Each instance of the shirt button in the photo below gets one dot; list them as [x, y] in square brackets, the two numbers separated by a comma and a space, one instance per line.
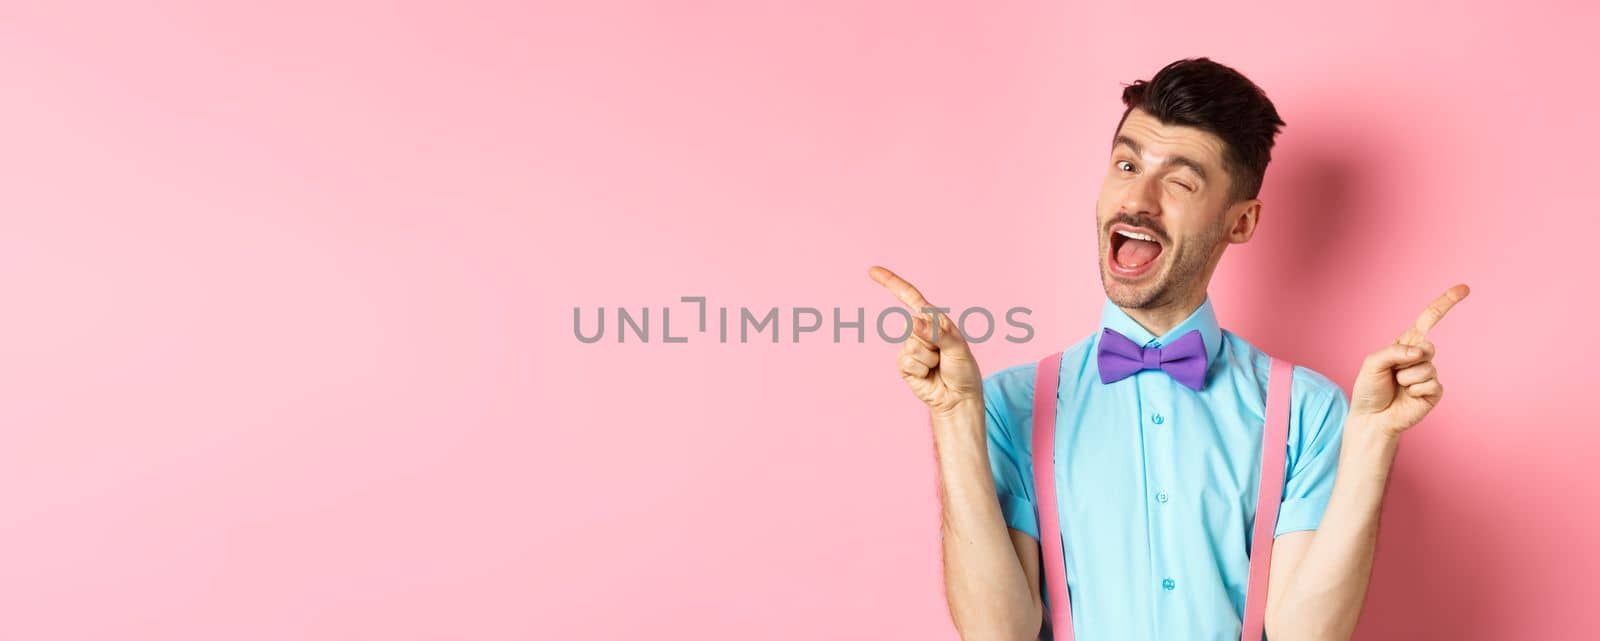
[1157, 419]
[1168, 584]
[1161, 496]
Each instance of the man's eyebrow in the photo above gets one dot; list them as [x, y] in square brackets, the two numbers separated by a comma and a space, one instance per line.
[1124, 140]
[1182, 161]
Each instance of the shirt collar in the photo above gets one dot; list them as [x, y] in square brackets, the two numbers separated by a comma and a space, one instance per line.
[1203, 318]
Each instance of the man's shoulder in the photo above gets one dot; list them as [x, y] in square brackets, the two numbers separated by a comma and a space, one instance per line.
[1019, 378]
[1313, 384]
[1307, 382]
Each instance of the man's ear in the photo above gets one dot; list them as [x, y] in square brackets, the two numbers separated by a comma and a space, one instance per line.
[1244, 214]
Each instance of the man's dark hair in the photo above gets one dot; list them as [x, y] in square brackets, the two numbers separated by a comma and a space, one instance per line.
[1206, 95]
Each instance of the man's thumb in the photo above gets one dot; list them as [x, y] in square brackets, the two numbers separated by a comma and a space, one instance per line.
[945, 335]
[1381, 363]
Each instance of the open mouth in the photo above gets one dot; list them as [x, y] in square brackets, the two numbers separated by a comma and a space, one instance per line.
[1133, 250]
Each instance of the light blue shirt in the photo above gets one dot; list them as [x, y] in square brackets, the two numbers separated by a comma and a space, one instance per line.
[1157, 482]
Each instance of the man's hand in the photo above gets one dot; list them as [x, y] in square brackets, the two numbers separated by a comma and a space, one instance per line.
[1398, 384]
[991, 574]
[938, 367]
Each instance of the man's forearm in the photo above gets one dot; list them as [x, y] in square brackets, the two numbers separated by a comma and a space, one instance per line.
[1325, 594]
[985, 584]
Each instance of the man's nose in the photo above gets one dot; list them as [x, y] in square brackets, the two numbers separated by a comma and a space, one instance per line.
[1142, 197]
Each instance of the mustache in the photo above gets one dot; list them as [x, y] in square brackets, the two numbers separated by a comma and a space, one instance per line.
[1139, 221]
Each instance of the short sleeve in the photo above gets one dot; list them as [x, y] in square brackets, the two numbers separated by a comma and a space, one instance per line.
[1316, 432]
[1008, 413]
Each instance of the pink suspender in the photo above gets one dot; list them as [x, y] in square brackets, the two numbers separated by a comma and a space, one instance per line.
[1273, 451]
[1275, 444]
[1044, 489]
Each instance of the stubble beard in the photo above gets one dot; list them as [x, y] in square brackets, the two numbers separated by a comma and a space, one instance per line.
[1182, 273]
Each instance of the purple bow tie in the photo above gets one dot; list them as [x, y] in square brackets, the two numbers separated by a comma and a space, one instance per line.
[1184, 359]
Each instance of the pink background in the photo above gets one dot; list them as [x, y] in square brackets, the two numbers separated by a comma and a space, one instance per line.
[287, 350]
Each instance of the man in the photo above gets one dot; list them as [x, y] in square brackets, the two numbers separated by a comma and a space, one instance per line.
[1158, 476]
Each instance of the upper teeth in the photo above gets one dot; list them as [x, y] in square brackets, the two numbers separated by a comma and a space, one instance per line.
[1137, 235]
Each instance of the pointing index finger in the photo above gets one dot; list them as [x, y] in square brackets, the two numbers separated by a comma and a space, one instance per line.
[1433, 314]
[902, 289]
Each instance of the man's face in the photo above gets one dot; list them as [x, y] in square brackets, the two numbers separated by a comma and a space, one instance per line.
[1162, 216]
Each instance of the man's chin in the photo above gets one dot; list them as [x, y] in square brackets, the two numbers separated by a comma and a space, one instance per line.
[1132, 295]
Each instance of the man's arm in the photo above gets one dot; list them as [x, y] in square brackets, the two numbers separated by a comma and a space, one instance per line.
[991, 572]
[1319, 579]
[986, 582]
[1398, 385]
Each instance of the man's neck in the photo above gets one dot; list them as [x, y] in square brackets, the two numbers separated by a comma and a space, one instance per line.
[1160, 320]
